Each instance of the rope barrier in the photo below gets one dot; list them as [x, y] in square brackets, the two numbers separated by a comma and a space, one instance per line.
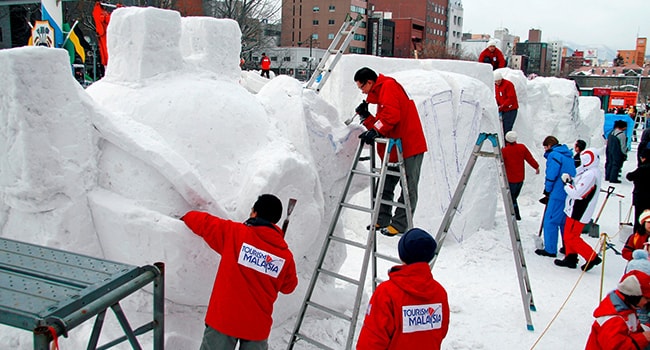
[602, 241]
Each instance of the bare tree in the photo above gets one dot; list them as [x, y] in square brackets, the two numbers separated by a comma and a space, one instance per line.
[252, 15]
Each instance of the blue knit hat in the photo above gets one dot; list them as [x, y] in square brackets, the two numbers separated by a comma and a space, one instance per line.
[416, 245]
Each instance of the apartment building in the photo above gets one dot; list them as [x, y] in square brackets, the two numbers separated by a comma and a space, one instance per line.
[636, 56]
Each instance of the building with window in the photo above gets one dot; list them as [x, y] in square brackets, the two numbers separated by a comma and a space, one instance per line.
[636, 56]
[455, 26]
[314, 24]
[539, 58]
[381, 35]
[556, 57]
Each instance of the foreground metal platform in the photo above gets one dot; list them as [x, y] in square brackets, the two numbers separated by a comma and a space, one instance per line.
[50, 292]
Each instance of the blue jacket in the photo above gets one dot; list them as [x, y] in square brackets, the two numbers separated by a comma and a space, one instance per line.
[559, 160]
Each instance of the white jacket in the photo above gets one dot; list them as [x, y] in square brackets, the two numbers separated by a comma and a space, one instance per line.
[582, 194]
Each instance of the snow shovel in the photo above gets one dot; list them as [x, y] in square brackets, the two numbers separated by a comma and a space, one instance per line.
[539, 241]
[594, 228]
[290, 206]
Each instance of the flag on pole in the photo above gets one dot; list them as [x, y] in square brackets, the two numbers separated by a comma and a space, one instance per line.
[51, 12]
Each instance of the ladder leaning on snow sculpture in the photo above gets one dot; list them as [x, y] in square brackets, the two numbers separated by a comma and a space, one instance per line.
[377, 178]
[522, 272]
[337, 48]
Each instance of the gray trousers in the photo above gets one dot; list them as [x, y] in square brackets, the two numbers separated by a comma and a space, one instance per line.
[215, 340]
[412, 167]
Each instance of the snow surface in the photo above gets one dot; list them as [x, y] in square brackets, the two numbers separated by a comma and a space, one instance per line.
[175, 125]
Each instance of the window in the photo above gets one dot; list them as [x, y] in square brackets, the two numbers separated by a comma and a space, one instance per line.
[314, 36]
[316, 9]
[330, 22]
[359, 37]
[314, 22]
[332, 8]
[305, 59]
[274, 58]
[330, 36]
[287, 59]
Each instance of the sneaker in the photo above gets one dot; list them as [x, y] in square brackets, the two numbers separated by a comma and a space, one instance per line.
[543, 252]
[590, 265]
[390, 231]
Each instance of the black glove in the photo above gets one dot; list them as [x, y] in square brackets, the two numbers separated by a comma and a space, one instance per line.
[369, 136]
[362, 110]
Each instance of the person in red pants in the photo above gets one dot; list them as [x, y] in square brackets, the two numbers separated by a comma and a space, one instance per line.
[582, 196]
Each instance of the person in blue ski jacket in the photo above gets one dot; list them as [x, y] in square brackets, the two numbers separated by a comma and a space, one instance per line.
[559, 160]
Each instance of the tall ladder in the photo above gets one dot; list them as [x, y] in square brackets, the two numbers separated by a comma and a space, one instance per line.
[377, 179]
[517, 250]
[348, 29]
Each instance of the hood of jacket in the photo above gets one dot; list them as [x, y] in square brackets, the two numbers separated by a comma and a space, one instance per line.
[414, 279]
[561, 149]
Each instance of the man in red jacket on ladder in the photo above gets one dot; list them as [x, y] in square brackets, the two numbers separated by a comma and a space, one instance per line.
[396, 118]
[514, 155]
[507, 102]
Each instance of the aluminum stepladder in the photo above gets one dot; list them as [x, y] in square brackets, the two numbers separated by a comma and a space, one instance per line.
[377, 179]
[337, 48]
[517, 250]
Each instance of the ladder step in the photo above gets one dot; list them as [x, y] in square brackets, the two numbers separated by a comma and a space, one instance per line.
[330, 311]
[347, 241]
[366, 173]
[334, 51]
[339, 276]
[388, 257]
[346, 32]
[357, 207]
[312, 341]
[394, 204]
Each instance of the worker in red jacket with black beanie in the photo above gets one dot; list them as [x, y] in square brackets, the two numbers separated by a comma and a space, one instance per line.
[506, 97]
[256, 264]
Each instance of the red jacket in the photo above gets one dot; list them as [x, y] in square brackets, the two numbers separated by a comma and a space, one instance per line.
[266, 63]
[506, 96]
[634, 242]
[407, 311]
[616, 326]
[397, 117]
[255, 265]
[495, 58]
[514, 155]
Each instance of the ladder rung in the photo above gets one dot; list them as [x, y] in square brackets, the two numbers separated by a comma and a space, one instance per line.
[334, 51]
[347, 241]
[366, 173]
[486, 154]
[357, 207]
[330, 311]
[346, 32]
[388, 257]
[394, 204]
[312, 341]
[339, 276]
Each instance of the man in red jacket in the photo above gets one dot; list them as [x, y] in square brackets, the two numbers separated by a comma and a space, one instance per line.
[506, 97]
[396, 118]
[616, 325]
[492, 55]
[514, 155]
[411, 309]
[265, 64]
[256, 264]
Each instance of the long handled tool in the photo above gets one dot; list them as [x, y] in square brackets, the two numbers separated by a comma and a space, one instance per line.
[539, 242]
[349, 120]
[290, 206]
[594, 228]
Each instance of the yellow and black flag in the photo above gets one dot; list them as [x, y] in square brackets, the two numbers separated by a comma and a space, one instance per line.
[76, 42]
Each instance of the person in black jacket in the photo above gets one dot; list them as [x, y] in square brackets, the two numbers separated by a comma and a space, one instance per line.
[641, 193]
[616, 151]
[644, 144]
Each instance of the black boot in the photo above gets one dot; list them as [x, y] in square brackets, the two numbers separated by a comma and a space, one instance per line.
[570, 261]
[595, 261]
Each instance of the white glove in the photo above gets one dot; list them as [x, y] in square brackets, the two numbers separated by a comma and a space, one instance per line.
[566, 178]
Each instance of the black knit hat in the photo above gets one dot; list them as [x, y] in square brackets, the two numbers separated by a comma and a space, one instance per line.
[268, 207]
[416, 246]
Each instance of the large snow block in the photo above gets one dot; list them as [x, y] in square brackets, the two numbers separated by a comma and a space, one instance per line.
[143, 42]
[212, 44]
[47, 151]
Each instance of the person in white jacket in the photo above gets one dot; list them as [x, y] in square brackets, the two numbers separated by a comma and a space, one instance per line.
[582, 196]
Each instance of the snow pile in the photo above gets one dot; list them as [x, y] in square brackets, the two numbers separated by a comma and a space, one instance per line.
[175, 125]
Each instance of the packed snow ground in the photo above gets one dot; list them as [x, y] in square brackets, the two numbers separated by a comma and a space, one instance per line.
[175, 125]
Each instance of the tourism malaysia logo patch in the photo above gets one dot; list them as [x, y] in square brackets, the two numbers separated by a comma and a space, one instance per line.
[260, 260]
[417, 318]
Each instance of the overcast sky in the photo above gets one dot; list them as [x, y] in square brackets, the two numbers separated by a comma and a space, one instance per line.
[611, 23]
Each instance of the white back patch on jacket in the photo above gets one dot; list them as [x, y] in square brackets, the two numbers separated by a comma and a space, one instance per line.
[417, 318]
[260, 260]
